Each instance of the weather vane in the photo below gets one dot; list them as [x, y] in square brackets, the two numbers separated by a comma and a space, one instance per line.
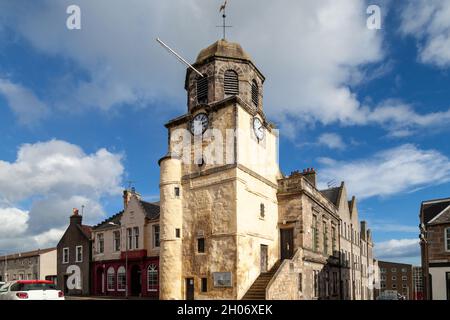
[223, 9]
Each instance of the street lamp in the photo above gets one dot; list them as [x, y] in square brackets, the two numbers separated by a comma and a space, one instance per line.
[126, 256]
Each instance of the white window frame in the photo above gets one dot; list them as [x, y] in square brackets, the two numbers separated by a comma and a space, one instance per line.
[100, 235]
[64, 261]
[108, 278]
[446, 244]
[136, 235]
[152, 268]
[115, 241]
[76, 254]
[121, 271]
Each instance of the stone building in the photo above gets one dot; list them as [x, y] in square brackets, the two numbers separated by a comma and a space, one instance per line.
[396, 277]
[435, 247]
[74, 257]
[32, 265]
[233, 226]
[125, 250]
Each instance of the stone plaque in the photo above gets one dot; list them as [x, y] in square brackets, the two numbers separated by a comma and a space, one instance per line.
[222, 279]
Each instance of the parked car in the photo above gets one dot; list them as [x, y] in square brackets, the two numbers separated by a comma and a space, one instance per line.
[1, 284]
[30, 290]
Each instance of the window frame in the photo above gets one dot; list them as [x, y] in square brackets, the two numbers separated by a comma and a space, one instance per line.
[156, 239]
[121, 272]
[76, 254]
[136, 234]
[153, 268]
[64, 261]
[117, 240]
[111, 276]
[447, 239]
[100, 243]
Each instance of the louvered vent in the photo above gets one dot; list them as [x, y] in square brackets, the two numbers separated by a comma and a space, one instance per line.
[255, 93]
[202, 90]
[231, 83]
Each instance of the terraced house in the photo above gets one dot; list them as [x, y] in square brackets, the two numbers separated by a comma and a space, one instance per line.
[125, 250]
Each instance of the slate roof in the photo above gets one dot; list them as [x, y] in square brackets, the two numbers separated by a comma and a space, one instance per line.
[431, 209]
[27, 254]
[332, 195]
[86, 230]
[151, 209]
[105, 223]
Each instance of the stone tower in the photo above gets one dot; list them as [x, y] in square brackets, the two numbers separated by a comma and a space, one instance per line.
[219, 209]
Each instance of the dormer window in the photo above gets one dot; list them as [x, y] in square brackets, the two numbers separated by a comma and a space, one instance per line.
[255, 93]
[231, 83]
[202, 89]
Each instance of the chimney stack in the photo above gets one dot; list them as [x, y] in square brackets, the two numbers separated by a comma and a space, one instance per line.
[76, 218]
[310, 175]
[127, 194]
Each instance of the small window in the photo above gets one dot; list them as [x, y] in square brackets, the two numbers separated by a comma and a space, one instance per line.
[404, 270]
[255, 93]
[177, 233]
[394, 286]
[177, 192]
[100, 243]
[231, 83]
[394, 270]
[65, 258]
[204, 284]
[262, 211]
[404, 278]
[447, 239]
[156, 241]
[116, 241]
[201, 245]
[79, 254]
[130, 238]
[394, 278]
[152, 278]
[202, 90]
[300, 282]
[136, 237]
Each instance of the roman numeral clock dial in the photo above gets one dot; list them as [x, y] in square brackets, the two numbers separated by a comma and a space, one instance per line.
[258, 128]
[199, 124]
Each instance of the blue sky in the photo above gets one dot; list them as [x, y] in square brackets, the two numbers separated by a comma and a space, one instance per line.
[83, 111]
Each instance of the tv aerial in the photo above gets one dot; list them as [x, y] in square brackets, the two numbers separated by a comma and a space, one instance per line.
[180, 58]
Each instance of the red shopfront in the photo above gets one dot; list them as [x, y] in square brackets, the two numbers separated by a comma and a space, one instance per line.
[142, 272]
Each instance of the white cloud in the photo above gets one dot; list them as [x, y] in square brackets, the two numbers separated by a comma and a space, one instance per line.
[397, 249]
[402, 169]
[309, 50]
[332, 141]
[429, 22]
[53, 177]
[26, 106]
[13, 221]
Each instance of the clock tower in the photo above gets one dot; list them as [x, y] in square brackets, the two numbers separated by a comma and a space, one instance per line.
[218, 182]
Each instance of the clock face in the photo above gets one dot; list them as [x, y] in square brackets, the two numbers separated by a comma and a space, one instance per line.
[199, 124]
[258, 128]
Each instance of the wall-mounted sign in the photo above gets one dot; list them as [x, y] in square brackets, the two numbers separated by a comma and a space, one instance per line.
[222, 279]
[74, 279]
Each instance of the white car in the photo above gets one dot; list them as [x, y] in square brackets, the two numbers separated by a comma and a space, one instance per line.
[30, 290]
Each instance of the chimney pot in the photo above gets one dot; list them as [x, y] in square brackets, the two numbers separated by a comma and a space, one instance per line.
[75, 211]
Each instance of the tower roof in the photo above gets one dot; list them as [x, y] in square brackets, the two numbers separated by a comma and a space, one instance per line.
[223, 49]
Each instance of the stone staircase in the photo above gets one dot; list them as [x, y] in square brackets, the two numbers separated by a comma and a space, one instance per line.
[258, 289]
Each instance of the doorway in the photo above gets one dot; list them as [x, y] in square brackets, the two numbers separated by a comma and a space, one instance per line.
[66, 289]
[264, 258]
[100, 282]
[189, 289]
[136, 281]
[287, 243]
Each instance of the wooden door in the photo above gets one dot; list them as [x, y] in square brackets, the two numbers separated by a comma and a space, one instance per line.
[287, 243]
[189, 289]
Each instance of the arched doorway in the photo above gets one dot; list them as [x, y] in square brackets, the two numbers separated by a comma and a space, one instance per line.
[100, 281]
[136, 281]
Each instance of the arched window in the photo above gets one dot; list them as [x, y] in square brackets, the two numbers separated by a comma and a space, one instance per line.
[202, 89]
[231, 83]
[152, 278]
[121, 279]
[111, 279]
[255, 93]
